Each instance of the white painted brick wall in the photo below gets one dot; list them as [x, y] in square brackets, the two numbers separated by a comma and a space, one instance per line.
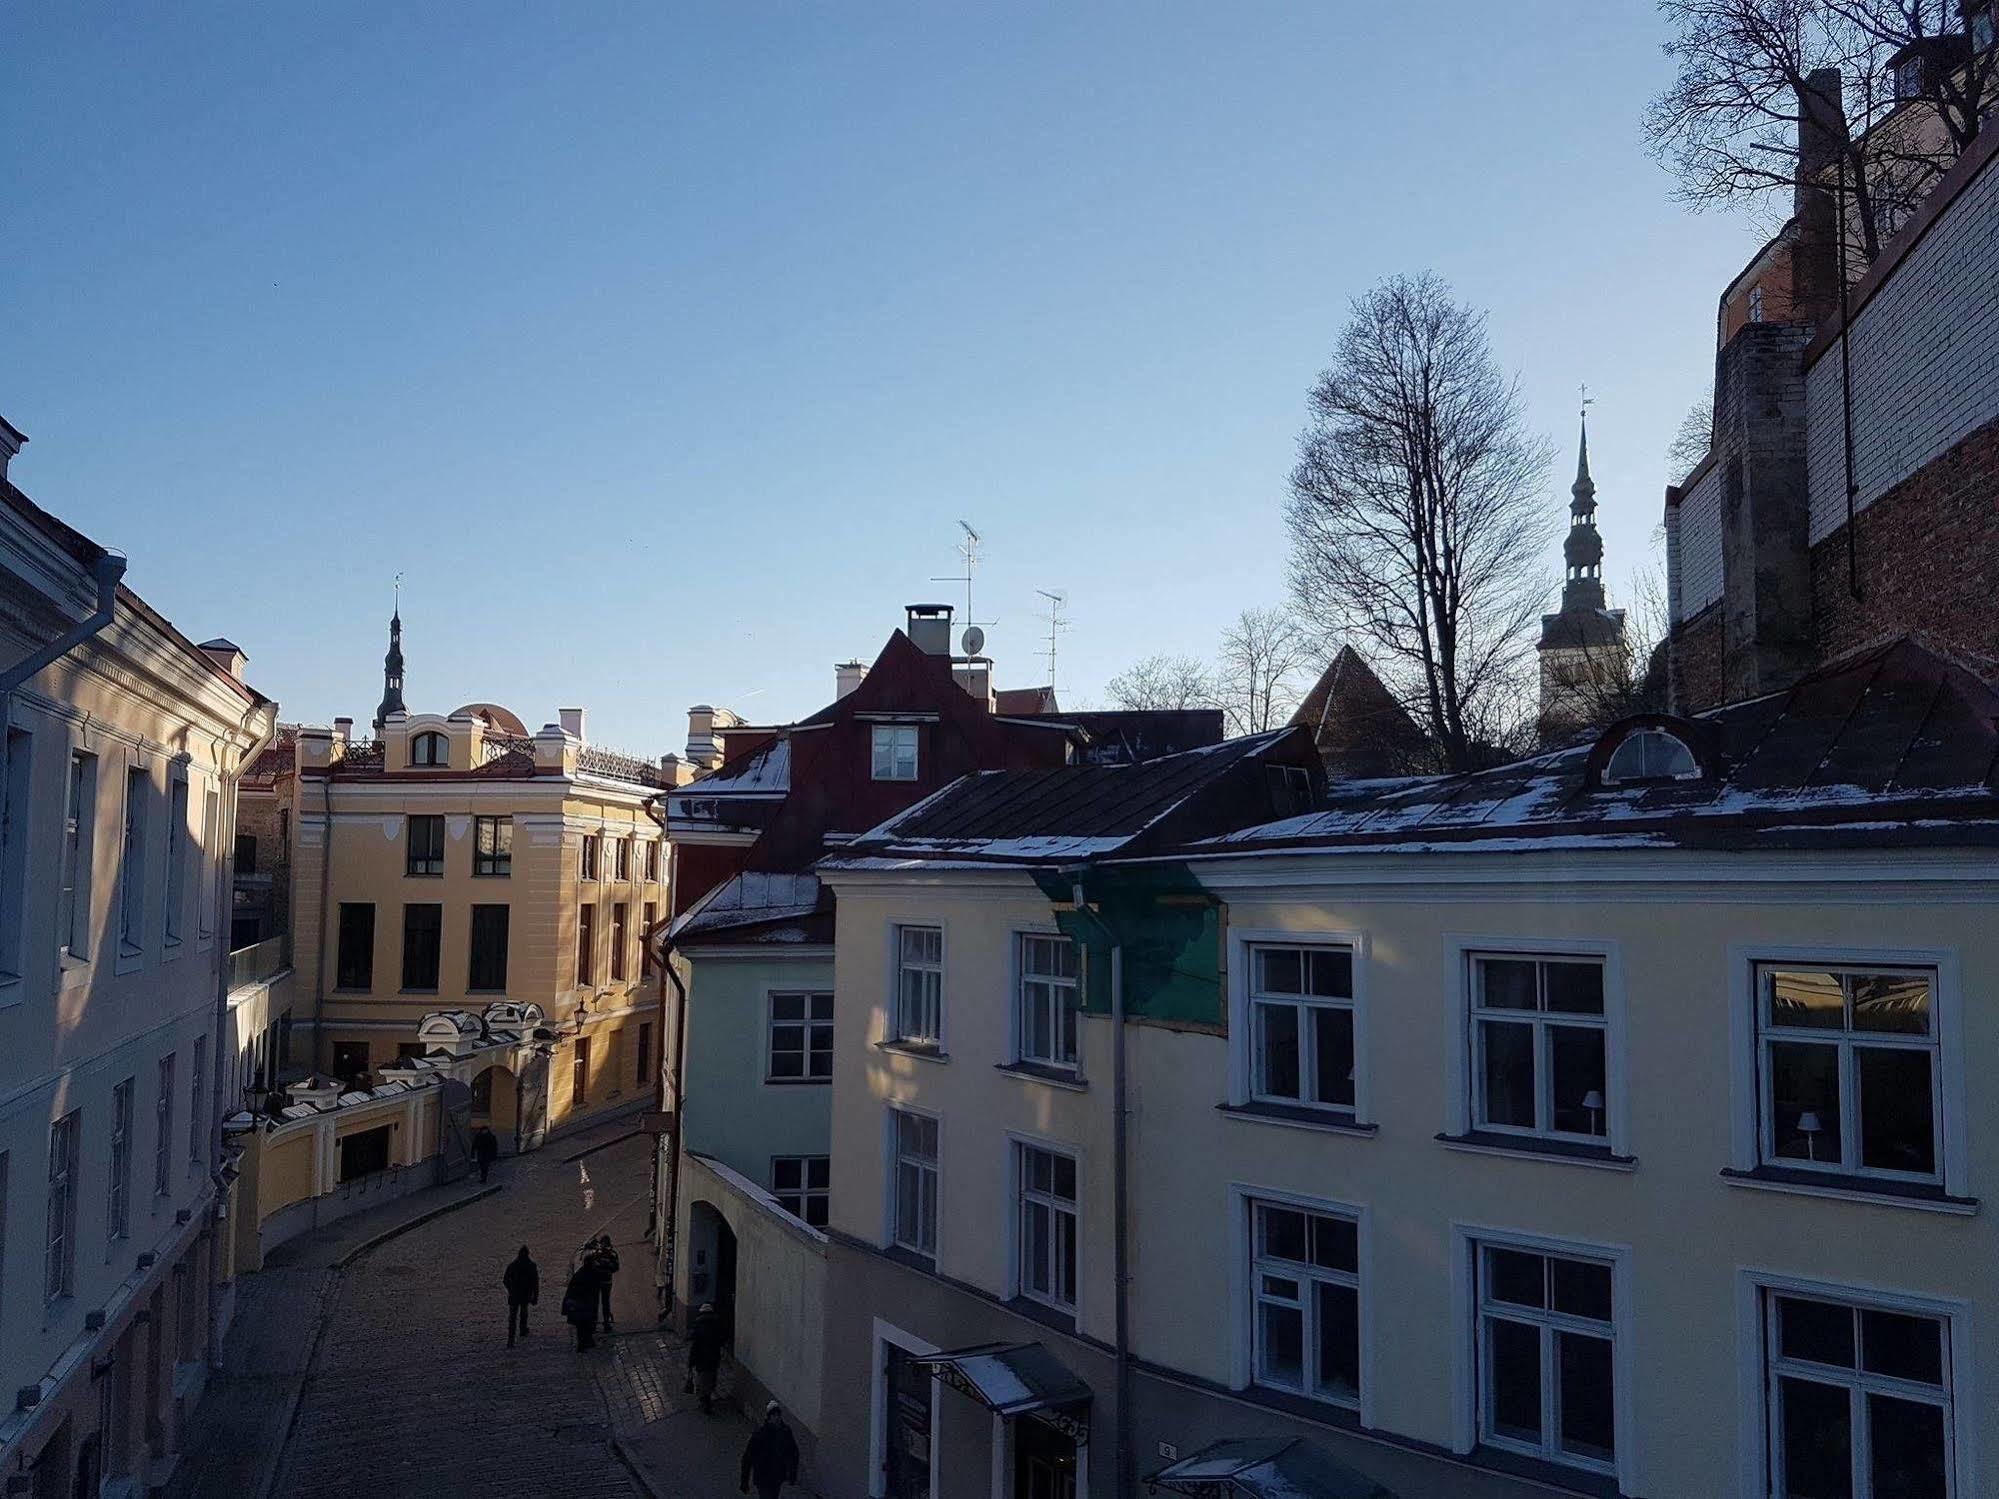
[1925, 362]
[1700, 546]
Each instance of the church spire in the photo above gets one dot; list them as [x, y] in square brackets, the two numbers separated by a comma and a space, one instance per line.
[392, 665]
[1583, 550]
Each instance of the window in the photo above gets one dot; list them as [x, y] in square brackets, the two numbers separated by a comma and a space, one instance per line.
[73, 901]
[1302, 1026]
[1651, 755]
[586, 945]
[350, 1061]
[591, 848]
[246, 853]
[645, 1053]
[364, 1152]
[652, 861]
[1980, 26]
[1909, 78]
[489, 950]
[211, 816]
[800, 1185]
[118, 1220]
[132, 869]
[801, 1038]
[356, 966]
[1048, 1000]
[1046, 1227]
[426, 846]
[618, 943]
[59, 1258]
[579, 1074]
[493, 846]
[176, 860]
[14, 806]
[621, 855]
[915, 1195]
[919, 984]
[1756, 304]
[1858, 1399]
[1538, 1036]
[430, 749]
[197, 1106]
[648, 915]
[423, 932]
[163, 1128]
[1546, 1371]
[1305, 1287]
[894, 752]
[1848, 1074]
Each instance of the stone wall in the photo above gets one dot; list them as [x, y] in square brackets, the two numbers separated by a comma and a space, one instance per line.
[1697, 678]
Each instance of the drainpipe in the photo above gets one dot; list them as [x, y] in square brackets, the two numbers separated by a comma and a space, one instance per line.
[319, 949]
[110, 567]
[666, 1240]
[1120, 1207]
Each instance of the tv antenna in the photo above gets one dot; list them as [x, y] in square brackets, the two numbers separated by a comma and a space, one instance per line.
[1057, 623]
[968, 554]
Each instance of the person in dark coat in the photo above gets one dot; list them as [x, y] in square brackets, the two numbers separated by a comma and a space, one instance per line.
[485, 1150]
[523, 1282]
[770, 1461]
[605, 1253]
[704, 1355]
[579, 1302]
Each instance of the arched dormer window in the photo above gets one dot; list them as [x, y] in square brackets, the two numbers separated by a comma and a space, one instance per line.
[430, 749]
[1651, 755]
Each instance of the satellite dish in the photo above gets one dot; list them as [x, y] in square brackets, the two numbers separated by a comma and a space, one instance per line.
[974, 641]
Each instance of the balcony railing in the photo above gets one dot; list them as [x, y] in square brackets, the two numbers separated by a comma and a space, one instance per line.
[259, 961]
[619, 767]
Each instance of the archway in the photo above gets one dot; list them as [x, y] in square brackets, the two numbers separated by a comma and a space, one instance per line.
[496, 1103]
[711, 1277]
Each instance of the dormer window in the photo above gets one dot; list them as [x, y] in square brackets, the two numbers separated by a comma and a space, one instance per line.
[1908, 78]
[430, 749]
[894, 752]
[1651, 755]
[1756, 304]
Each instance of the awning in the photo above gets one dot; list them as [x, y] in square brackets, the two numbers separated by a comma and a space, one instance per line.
[1018, 1379]
[1264, 1468]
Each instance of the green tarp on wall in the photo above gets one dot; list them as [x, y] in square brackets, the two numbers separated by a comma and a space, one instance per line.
[1171, 933]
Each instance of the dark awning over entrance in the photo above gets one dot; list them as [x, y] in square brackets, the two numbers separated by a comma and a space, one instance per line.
[1017, 1379]
[1265, 1468]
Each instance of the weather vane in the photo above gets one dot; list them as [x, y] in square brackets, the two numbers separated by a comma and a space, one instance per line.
[1588, 401]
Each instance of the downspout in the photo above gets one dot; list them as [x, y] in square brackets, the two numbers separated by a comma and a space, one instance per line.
[667, 1237]
[319, 947]
[1120, 1207]
[109, 569]
[1846, 392]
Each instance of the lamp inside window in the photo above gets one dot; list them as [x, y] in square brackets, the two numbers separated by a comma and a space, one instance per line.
[1651, 755]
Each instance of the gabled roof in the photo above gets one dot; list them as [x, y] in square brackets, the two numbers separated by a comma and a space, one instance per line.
[1360, 728]
[1025, 702]
[1896, 745]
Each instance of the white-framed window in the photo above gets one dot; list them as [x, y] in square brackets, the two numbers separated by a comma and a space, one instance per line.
[1857, 1394]
[1545, 1352]
[800, 1037]
[79, 819]
[1539, 1043]
[894, 752]
[1305, 1301]
[59, 1254]
[1849, 1069]
[118, 1217]
[430, 749]
[919, 985]
[132, 866]
[211, 821]
[802, 1186]
[176, 897]
[1651, 755]
[163, 1126]
[1048, 999]
[591, 851]
[621, 858]
[1045, 1225]
[913, 1210]
[1302, 1025]
[16, 791]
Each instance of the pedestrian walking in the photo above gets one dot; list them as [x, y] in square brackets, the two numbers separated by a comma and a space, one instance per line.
[485, 1149]
[770, 1461]
[605, 1255]
[579, 1303]
[523, 1282]
[704, 1355]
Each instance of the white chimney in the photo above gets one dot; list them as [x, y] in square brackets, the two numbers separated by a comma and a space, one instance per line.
[572, 723]
[929, 628]
[847, 675]
[343, 730]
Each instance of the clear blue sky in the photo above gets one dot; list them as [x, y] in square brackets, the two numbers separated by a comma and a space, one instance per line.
[661, 348]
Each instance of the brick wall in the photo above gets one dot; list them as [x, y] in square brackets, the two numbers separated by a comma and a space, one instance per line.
[1928, 555]
[1696, 664]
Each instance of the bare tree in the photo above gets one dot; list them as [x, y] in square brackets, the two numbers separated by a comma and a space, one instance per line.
[1691, 443]
[1162, 682]
[1259, 669]
[1416, 521]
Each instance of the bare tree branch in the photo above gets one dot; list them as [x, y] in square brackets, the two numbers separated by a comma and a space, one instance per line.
[1162, 682]
[1260, 669]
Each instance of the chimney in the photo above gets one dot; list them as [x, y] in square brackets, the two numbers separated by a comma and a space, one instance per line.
[847, 675]
[12, 439]
[1815, 197]
[704, 749]
[343, 731]
[573, 723]
[929, 628]
[226, 654]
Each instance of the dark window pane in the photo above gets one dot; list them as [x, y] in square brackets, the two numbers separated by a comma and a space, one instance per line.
[1820, 1331]
[1903, 1347]
[1335, 1243]
[1515, 1276]
[784, 1174]
[1908, 1449]
[1331, 974]
[1896, 1123]
[1575, 1060]
[1895, 1003]
[1804, 1098]
[1575, 988]
[1284, 1234]
[1277, 1050]
[1817, 1442]
[1588, 1427]
[1282, 1344]
[1509, 1074]
[1507, 984]
[816, 1211]
[1581, 1289]
[1282, 970]
[787, 1006]
[1339, 1339]
[1065, 1178]
[818, 1172]
[1332, 1032]
[1806, 997]
[1514, 1369]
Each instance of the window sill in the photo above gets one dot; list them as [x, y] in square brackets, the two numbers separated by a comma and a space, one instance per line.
[129, 960]
[1057, 1318]
[1542, 1470]
[913, 1258]
[1040, 1072]
[1328, 1121]
[1918, 1195]
[492, 874]
[798, 1082]
[423, 874]
[416, 993]
[922, 1050]
[1306, 1407]
[1526, 1148]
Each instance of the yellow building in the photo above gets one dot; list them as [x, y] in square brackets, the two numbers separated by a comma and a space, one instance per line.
[458, 865]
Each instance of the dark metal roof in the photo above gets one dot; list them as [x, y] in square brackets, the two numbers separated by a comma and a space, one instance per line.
[1264, 1468]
